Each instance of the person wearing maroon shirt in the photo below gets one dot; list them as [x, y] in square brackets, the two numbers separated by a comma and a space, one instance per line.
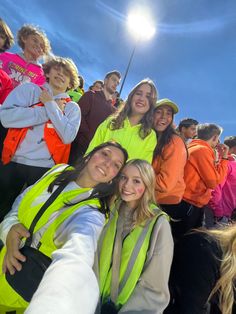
[95, 108]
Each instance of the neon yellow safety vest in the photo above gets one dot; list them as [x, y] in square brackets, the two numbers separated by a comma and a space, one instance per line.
[28, 208]
[133, 257]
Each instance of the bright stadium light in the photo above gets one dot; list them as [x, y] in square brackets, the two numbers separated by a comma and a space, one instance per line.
[141, 27]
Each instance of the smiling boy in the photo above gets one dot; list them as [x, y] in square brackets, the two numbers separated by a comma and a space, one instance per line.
[42, 123]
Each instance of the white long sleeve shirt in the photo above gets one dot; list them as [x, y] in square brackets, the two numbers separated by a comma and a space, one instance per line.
[69, 284]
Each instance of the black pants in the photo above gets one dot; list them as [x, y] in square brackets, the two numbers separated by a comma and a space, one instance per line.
[3, 133]
[184, 217]
[13, 177]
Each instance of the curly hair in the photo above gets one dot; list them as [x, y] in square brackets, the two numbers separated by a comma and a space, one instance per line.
[6, 33]
[66, 64]
[29, 29]
[125, 110]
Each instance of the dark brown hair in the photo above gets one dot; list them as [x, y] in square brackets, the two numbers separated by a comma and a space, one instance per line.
[103, 191]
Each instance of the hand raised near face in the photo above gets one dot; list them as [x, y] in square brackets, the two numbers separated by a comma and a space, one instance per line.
[61, 103]
[45, 96]
[223, 150]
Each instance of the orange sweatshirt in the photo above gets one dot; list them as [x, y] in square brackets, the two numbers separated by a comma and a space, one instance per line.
[169, 170]
[201, 174]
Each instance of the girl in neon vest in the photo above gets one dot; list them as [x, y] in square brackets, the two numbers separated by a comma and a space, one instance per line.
[67, 232]
[136, 247]
[131, 125]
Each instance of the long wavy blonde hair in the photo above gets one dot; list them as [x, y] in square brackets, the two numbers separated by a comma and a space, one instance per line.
[225, 285]
[143, 211]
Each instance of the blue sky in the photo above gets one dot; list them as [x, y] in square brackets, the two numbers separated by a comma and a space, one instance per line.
[192, 57]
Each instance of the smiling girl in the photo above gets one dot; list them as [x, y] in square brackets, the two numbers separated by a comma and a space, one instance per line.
[131, 125]
[42, 123]
[24, 67]
[67, 232]
[170, 157]
[136, 247]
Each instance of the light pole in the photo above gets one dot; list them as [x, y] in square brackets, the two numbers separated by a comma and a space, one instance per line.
[142, 29]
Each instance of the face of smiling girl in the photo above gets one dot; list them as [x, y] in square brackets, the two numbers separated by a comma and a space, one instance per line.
[163, 117]
[131, 186]
[104, 165]
[140, 103]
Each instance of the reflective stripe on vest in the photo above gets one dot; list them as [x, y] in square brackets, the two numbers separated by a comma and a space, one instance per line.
[32, 202]
[58, 150]
[134, 252]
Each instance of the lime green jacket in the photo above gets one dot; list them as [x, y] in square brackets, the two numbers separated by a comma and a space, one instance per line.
[128, 137]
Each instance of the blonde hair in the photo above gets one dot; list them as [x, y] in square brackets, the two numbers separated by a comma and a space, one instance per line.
[143, 212]
[27, 30]
[125, 110]
[225, 285]
[6, 32]
[66, 64]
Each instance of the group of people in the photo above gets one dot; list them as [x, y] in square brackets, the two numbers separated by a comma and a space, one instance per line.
[121, 188]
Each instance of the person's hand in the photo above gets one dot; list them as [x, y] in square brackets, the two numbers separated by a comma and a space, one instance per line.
[223, 150]
[61, 103]
[45, 96]
[13, 255]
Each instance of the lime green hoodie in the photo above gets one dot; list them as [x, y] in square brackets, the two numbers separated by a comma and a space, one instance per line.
[128, 137]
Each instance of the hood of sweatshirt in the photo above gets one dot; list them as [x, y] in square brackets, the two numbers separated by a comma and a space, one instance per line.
[198, 142]
[58, 96]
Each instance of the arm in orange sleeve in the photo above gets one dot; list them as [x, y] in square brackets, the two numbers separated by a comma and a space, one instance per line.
[171, 166]
[210, 174]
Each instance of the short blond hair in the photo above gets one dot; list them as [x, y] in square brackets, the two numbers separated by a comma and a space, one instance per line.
[68, 65]
[27, 30]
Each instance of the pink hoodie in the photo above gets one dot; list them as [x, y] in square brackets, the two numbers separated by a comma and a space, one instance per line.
[21, 71]
[223, 198]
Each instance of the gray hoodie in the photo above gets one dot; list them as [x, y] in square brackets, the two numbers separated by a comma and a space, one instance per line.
[17, 112]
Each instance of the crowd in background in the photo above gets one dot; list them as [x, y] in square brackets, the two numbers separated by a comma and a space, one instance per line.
[134, 189]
